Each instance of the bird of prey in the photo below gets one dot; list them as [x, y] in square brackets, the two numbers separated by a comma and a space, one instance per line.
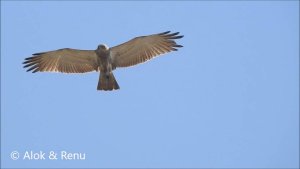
[104, 59]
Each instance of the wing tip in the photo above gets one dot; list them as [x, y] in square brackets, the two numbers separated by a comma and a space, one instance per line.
[36, 70]
[170, 35]
[29, 58]
[164, 33]
[30, 62]
[178, 46]
[177, 37]
[37, 54]
[28, 70]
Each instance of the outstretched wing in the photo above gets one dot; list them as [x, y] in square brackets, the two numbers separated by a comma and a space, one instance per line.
[63, 60]
[143, 48]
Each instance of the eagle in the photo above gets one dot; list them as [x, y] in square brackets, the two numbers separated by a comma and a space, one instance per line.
[104, 59]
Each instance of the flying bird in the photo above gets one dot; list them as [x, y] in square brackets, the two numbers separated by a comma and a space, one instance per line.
[104, 59]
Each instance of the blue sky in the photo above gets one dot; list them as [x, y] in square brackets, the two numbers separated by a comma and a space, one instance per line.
[229, 98]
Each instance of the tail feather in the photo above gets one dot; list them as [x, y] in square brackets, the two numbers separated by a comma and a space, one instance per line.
[107, 82]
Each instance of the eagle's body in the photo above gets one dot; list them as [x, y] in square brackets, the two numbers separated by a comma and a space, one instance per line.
[107, 80]
[103, 59]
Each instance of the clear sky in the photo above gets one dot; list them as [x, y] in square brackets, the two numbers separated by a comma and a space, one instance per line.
[228, 98]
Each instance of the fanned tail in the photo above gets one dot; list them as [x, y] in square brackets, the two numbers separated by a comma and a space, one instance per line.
[107, 82]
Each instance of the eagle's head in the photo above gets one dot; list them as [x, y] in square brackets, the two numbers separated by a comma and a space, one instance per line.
[102, 47]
